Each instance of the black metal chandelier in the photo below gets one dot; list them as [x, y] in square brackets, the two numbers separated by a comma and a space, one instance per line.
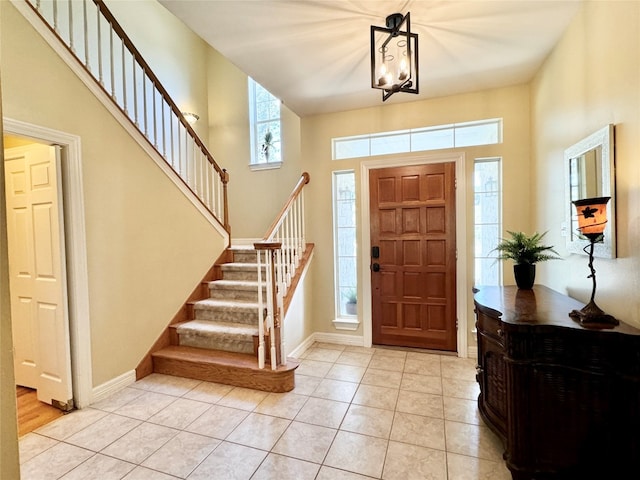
[394, 56]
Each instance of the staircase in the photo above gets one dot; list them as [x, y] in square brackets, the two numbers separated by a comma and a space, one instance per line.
[228, 319]
[232, 333]
[219, 341]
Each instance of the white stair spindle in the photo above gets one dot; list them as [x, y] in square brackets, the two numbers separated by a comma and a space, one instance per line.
[124, 80]
[100, 71]
[261, 356]
[71, 43]
[111, 64]
[55, 16]
[85, 24]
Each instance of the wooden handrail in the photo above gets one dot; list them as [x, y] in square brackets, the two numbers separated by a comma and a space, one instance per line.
[282, 248]
[148, 73]
[145, 66]
[304, 179]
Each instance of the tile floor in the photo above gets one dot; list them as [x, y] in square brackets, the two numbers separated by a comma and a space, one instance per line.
[356, 413]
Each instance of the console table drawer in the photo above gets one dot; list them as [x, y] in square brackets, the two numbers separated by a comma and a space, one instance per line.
[489, 326]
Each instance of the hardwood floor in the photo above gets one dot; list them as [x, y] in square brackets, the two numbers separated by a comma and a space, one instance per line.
[32, 413]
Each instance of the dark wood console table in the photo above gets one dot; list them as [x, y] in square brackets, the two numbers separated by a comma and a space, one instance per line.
[565, 399]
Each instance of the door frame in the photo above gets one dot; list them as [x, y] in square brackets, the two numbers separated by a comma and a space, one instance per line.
[75, 248]
[461, 237]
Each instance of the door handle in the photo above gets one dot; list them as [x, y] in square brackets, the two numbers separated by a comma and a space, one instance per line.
[375, 267]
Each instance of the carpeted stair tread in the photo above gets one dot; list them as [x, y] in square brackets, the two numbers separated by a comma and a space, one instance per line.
[212, 303]
[208, 328]
[232, 337]
[241, 266]
[235, 285]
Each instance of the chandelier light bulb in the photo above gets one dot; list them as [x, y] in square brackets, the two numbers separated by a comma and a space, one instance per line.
[383, 79]
[403, 71]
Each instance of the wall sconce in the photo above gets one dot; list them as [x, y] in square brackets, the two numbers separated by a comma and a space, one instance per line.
[394, 57]
[191, 118]
[592, 219]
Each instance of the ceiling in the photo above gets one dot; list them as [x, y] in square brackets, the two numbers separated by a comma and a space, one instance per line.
[314, 54]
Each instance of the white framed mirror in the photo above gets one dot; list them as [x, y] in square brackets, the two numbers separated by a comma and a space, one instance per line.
[589, 168]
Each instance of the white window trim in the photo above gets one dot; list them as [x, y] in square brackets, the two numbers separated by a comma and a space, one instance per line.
[265, 166]
[344, 323]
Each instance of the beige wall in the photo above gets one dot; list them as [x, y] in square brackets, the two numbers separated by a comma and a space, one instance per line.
[511, 104]
[297, 325]
[176, 55]
[147, 247]
[9, 466]
[592, 79]
[255, 197]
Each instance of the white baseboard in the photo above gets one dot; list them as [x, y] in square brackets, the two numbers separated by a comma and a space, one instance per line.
[339, 338]
[112, 386]
[300, 349]
[335, 338]
[472, 352]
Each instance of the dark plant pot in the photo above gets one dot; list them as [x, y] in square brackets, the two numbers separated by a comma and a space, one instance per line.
[352, 308]
[525, 275]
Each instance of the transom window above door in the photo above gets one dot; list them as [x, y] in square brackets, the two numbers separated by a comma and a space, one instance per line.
[455, 135]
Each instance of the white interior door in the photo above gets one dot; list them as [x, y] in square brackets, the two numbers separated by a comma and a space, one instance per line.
[42, 355]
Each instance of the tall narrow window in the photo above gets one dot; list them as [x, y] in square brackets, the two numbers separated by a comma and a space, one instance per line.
[487, 186]
[344, 227]
[264, 117]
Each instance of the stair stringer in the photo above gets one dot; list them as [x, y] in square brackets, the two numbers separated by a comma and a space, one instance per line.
[216, 365]
[167, 337]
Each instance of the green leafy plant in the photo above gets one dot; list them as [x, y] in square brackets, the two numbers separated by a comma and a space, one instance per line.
[351, 296]
[267, 144]
[523, 249]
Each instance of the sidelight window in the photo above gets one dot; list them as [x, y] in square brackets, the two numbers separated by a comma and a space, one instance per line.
[345, 255]
[487, 187]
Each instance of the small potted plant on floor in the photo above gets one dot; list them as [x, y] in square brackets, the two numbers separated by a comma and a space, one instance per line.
[525, 251]
[351, 306]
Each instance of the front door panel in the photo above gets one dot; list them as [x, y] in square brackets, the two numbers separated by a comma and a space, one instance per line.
[413, 224]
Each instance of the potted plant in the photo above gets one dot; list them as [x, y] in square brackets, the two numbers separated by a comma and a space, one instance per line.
[352, 302]
[267, 144]
[525, 251]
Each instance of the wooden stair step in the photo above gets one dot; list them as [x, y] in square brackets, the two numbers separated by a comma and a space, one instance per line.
[237, 369]
[226, 310]
[231, 337]
[242, 271]
[234, 284]
[242, 290]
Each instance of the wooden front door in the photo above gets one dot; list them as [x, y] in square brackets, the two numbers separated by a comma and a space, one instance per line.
[413, 278]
